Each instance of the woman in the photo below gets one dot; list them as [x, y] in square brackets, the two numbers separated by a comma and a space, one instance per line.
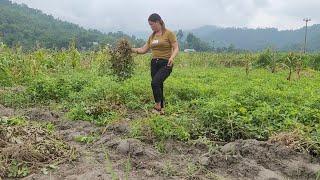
[164, 46]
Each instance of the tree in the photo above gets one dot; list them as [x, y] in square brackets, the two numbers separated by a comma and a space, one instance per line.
[1, 38]
[179, 35]
[194, 42]
[231, 48]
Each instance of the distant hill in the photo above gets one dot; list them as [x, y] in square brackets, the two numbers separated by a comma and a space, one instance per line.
[20, 24]
[257, 39]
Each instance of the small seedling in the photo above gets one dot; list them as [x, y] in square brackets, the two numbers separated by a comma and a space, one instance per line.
[85, 139]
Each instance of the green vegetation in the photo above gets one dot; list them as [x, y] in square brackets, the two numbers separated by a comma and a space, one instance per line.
[85, 139]
[209, 95]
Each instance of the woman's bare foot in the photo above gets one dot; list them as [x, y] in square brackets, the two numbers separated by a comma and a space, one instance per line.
[157, 109]
[157, 106]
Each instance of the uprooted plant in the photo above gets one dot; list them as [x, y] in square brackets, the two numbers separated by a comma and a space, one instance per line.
[25, 147]
[122, 63]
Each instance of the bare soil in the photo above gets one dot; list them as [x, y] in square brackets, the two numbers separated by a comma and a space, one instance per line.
[112, 155]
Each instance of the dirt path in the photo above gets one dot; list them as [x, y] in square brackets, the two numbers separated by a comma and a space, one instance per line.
[114, 156]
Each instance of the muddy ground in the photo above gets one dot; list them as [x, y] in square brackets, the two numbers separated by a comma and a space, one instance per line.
[112, 155]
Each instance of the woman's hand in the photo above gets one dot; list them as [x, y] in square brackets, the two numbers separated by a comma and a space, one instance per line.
[141, 50]
[134, 50]
[170, 62]
[175, 46]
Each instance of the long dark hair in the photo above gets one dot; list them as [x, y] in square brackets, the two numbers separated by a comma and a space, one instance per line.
[157, 18]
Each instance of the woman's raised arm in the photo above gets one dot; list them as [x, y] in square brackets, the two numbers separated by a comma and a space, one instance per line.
[144, 49]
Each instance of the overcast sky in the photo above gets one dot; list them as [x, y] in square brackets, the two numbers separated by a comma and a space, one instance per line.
[131, 15]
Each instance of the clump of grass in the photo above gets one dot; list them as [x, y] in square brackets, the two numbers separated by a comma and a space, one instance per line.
[297, 141]
[159, 128]
[169, 170]
[85, 139]
[109, 167]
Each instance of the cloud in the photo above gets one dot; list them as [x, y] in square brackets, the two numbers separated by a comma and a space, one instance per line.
[129, 16]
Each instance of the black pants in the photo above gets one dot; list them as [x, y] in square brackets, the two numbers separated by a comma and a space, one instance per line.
[159, 73]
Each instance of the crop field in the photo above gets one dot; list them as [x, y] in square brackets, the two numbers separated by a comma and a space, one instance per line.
[227, 116]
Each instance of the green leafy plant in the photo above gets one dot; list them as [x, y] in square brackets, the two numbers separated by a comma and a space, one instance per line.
[293, 61]
[18, 170]
[85, 139]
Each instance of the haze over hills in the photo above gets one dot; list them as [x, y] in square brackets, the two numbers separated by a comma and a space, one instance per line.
[20, 24]
[255, 39]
